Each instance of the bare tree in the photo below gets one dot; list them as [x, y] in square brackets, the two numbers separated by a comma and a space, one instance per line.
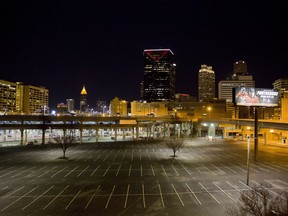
[260, 202]
[64, 142]
[175, 144]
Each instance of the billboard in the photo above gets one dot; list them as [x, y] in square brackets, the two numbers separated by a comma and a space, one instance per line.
[249, 96]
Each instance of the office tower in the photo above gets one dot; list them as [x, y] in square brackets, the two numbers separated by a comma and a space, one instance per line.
[159, 75]
[101, 106]
[83, 100]
[118, 107]
[70, 105]
[281, 85]
[206, 83]
[239, 69]
[20, 98]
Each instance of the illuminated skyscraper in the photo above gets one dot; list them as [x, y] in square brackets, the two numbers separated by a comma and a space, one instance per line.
[70, 105]
[83, 100]
[206, 83]
[159, 75]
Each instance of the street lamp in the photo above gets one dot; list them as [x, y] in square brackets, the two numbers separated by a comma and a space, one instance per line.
[209, 109]
[248, 157]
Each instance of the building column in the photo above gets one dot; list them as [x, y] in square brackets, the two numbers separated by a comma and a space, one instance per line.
[115, 130]
[81, 135]
[96, 134]
[22, 135]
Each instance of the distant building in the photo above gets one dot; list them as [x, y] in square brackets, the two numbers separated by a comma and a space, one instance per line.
[281, 85]
[239, 69]
[159, 75]
[62, 108]
[206, 83]
[118, 107]
[70, 105]
[19, 98]
[158, 109]
[83, 100]
[101, 106]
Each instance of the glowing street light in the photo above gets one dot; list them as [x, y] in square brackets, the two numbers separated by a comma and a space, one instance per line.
[209, 110]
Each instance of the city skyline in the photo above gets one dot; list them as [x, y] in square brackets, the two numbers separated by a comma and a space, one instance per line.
[65, 45]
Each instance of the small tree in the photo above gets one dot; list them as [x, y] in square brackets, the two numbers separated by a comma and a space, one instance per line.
[175, 144]
[260, 202]
[64, 142]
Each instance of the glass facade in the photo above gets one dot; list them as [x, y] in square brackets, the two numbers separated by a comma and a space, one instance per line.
[159, 75]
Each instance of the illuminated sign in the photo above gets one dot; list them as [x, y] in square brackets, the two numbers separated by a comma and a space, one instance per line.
[248, 96]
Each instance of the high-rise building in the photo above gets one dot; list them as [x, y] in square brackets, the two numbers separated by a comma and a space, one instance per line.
[239, 69]
[206, 83]
[83, 100]
[281, 85]
[159, 75]
[20, 98]
[70, 105]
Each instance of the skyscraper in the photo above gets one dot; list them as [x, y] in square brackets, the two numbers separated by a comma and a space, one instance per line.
[83, 100]
[239, 69]
[159, 75]
[206, 83]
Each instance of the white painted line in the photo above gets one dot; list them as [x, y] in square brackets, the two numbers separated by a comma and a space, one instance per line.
[143, 196]
[130, 170]
[82, 171]
[152, 170]
[209, 193]
[132, 157]
[269, 167]
[141, 170]
[278, 187]
[126, 198]
[70, 172]
[13, 192]
[118, 170]
[164, 170]
[228, 168]
[161, 195]
[92, 197]
[157, 157]
[224, 192]
[279, 167]
[55, 197]
[22, 172]
[186, 170]
[110, 196]
[19, 198]
[46, 172]
[97, 158]
[238, 167]
[270, 190]
[106, 170]
[37, 198]
[218, 169]
[58, 172]
[149, 157]
[238, 190]
[177, 194]
[209, 170]
[193, 193]
[95, 170]
[72, 200]
[175, 170]
[198, 170]
[88, 158]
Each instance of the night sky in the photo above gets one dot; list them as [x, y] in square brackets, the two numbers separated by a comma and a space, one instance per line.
[62, 45]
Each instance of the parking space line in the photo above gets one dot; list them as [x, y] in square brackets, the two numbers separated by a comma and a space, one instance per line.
[106, 170]
[279, 167]
[130, 170]
[95, 170]
[127, 193]
[198, 170]
[177, 194]
[157, 157]
[70, 172]
[175, 170]
[237, 167]
[46, 172]
[92, 197]
[13, 192]
[88, 158]
[141, 170]
[152, 170]
[186, 170]
[209, 170]
[118, 170]
[37, 198]
[106, 206]
[193, 193]
[58, 172]
[72, 200]
[97, 157]
[10, 172]
[209, 193]
[269, 190]
[224, 192]
[19, 198]
[161, 195]
[143, 196]
[149, 157]
[22, 172]
[82, 171]
[164, 170]
[55, 197]
[274, 185]
[228, 168]
[269, 167]
[218, 168]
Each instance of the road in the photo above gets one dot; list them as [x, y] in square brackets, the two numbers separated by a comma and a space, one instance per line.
[135, 178]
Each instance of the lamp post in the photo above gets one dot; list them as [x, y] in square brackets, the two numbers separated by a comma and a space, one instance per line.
[248, 159]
